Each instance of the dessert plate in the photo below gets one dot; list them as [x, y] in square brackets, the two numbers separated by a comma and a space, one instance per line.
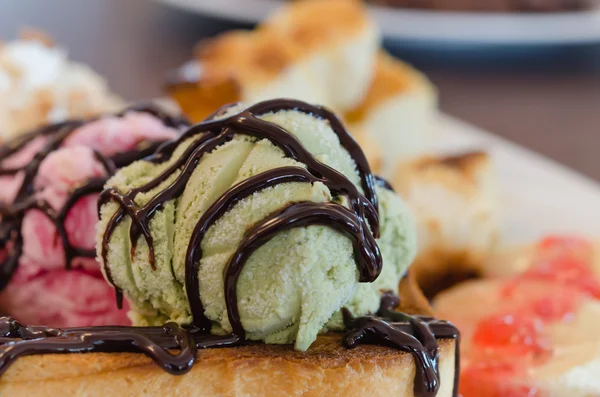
[438, 26]
[537, 195]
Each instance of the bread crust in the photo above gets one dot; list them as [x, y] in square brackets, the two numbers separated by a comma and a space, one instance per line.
[454, 244]
[326, 369]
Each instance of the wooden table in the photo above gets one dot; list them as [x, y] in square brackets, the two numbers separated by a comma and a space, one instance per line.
[548, 100]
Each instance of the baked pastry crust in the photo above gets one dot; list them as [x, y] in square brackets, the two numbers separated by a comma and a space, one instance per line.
[309, 50]
[396, 113]
[454, 201]
[392, 77]
[324, 52]
[326, 369]
[391, 122]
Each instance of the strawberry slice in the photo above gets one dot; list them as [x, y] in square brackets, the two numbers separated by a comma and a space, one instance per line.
[568, 270]
[510, 333]
[548, 300]
[560, 306]
[565, 244]
[496, 377]
[507, 327]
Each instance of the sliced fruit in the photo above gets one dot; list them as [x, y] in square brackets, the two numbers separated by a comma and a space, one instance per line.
[521, 334]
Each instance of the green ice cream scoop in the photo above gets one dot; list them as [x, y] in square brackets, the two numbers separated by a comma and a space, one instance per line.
[260, 221]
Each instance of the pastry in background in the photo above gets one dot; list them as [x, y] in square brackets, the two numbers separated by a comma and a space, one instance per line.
[371, 149]
[336, 63]
[322, 51]
[533, 333]
[455, 204]
[39, 85]
[50, 180]
[397, 112]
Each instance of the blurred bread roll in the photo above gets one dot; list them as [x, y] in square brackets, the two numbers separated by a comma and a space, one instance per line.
[319, 51]
[397, 112]
[455, 204]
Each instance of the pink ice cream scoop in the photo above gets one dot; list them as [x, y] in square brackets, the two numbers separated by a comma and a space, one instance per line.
[49, 185]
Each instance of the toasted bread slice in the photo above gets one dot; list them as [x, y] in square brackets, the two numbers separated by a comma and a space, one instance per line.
[320, 51]
[326, 369]
[397, 111]
[454, 201]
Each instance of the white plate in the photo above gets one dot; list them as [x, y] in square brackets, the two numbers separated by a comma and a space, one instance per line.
[437, 26]
[538, 196]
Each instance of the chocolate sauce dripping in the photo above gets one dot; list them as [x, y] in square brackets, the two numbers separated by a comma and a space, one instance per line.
[446, 330]
[12, 215]
[17, 340]
[216, 133]
[379, 181]
[375, 331]
[428, 327]
[346, 140]
[302, 214]
[414, 334]
[228, 200]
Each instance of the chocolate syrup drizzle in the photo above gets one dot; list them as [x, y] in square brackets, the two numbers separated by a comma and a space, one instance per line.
[414, 334]
[420, 339]
[214, 133]
[25, 199]
[358, 220]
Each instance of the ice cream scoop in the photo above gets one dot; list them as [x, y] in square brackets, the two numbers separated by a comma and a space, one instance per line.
[262, 221]
[50, 180]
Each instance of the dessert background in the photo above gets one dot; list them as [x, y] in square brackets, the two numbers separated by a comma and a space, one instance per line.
[467, 177]
[531, 96]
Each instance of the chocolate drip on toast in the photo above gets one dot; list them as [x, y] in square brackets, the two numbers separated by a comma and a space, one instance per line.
[174, 349]
[18, 340]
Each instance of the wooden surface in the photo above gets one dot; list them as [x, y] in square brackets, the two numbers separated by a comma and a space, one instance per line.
[547, 99]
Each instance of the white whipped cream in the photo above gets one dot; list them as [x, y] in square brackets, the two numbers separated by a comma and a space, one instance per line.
[39, 85]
